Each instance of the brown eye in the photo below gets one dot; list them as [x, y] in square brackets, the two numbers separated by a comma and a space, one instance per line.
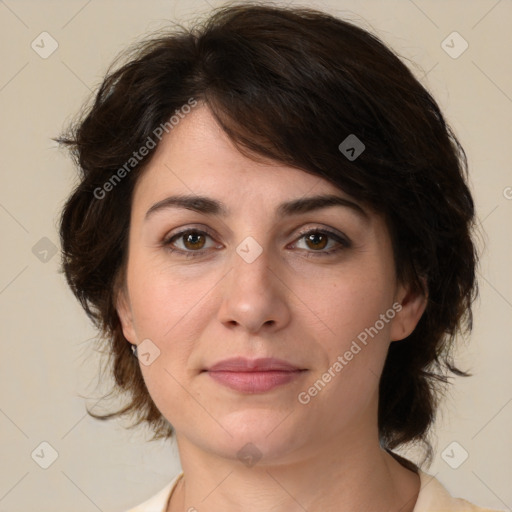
[193, 240]
[190, 242]
[316, 240]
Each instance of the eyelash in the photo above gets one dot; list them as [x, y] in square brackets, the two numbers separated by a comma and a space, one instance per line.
[343, 242]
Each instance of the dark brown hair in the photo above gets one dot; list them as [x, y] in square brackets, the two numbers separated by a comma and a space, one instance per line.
[289, 84]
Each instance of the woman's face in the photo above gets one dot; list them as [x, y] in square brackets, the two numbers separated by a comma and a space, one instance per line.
[253, 281]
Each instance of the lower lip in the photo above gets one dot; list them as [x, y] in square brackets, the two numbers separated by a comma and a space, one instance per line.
[254, 382]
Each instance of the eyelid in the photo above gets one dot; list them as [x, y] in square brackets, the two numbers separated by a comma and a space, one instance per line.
[338, 235]
[340, 238]
[188, 229]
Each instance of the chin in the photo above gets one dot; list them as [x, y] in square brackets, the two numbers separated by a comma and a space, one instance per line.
[257, 435]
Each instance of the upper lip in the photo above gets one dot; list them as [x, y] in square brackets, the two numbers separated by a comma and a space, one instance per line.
[242, 364]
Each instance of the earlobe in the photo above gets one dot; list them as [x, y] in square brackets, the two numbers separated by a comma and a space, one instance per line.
[124, 312]
[413, 304]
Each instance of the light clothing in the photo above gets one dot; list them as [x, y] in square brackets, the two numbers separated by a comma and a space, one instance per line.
[433, 497]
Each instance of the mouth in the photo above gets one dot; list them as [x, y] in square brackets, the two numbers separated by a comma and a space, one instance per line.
[254, 376]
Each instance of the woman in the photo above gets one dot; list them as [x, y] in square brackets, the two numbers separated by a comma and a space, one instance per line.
[274, 215]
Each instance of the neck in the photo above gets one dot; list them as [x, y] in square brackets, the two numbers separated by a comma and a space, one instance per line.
[344, 474]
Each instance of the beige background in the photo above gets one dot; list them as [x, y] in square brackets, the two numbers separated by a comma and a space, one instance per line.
[47, 362]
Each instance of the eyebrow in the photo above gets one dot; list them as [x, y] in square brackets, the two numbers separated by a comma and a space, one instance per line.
[209, 206]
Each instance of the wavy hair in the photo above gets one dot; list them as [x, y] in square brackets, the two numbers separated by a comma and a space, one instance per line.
[289, 84]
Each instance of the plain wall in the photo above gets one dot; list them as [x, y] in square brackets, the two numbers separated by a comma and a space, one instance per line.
[48, 365]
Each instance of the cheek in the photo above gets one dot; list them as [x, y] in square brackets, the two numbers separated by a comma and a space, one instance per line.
[345, 303]
[348, 311]
[162, 299]
[166, 310]
[170, 309]
[355, 342]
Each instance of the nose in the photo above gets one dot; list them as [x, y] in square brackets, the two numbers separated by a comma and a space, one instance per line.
[255, 295]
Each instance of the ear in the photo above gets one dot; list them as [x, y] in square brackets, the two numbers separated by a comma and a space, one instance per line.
[124, 312]
[413, 304]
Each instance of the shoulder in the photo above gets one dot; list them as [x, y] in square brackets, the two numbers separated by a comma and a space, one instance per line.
[159, 501]
[434, 497]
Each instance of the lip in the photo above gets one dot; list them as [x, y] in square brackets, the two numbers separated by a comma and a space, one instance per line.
[254, 375]
[262, 364]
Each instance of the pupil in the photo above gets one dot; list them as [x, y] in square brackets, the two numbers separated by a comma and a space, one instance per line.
[190, 239]
[314, 236]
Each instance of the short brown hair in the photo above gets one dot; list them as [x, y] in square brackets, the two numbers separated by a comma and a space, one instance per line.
[289, 84]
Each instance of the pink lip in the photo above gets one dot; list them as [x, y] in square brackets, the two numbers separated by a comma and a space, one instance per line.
[253, 376]
[242, 364]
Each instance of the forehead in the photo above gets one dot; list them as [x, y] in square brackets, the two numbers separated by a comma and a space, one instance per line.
[196, 155]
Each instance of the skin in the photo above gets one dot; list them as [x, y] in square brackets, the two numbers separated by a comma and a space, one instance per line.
[290, 303]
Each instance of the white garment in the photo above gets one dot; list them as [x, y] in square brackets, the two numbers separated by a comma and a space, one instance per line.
[433, 497]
